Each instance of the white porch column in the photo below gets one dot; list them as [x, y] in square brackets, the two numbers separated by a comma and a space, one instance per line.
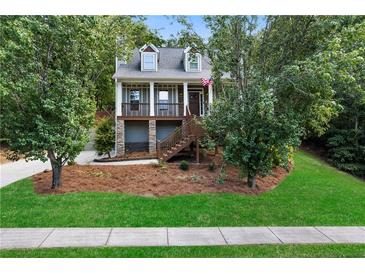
[186, 97]
[210, 96]
[118, 98]
[152, 99]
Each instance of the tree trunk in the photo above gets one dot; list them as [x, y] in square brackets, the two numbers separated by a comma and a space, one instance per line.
[56, 176]
[251, 180]
[56, 164]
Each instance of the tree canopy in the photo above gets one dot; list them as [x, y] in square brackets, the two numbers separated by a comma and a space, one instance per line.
[296, 66]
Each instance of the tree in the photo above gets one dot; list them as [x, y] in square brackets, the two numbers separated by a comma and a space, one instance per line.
[187, 36]
[262, 113]
[287, 39]
[115, 36]
[105, 137]
[45, 81]
[345, 139]
[256, 135]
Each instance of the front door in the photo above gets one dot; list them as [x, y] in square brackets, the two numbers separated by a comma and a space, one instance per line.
[194, 103]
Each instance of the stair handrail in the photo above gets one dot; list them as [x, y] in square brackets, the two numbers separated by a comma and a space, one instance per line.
[187, 129]
[174, 137]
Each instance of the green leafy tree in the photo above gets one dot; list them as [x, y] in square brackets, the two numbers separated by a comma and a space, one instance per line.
[105, 137]
[287, 39]
[45, 80]
[261, 115]
[187, 36]
[115, 36]
[346, 137]
[253, 133]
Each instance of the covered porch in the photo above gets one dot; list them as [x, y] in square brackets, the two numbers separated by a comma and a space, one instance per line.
[161, 100]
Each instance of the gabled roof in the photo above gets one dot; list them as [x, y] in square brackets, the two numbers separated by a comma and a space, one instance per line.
[152, 46]
[170, 66]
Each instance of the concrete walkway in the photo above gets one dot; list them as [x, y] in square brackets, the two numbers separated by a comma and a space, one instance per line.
[14, 171]
[126, 162]
[176, 236]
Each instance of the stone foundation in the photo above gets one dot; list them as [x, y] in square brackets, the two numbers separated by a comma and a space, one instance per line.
[120, 146]
[152, 136]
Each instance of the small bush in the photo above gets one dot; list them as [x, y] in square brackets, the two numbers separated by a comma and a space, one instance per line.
[104, 139]
[160, 164]
[195, 178]
[184, 165]
[222, 175]
[211, 166]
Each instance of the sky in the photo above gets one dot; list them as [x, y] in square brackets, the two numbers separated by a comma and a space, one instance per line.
[166, 25]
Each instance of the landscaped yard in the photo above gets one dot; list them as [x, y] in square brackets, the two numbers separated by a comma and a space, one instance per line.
[313, 194]
[255, 251]
[154, 180]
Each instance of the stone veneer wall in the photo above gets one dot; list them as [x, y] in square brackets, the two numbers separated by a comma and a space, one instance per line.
[120, 138]
[152, 136]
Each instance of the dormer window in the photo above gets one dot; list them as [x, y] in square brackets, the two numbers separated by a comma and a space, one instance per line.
[193, 61]
[149, 57]
[149, 61]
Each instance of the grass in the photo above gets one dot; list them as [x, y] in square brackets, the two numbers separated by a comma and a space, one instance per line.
[255, 251]
[313, 194]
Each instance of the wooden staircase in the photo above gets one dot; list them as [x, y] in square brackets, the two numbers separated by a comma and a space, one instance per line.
[182, 137]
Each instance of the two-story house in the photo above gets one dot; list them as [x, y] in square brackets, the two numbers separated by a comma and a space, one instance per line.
[156, 92]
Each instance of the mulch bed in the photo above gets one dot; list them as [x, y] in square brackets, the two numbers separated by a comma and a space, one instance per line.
[152, 180]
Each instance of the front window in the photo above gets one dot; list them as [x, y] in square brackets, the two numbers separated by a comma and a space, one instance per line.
[149, 61]
[134, 99]
[163, 99]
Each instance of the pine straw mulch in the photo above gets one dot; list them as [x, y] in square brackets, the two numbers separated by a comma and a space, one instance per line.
[152, 180]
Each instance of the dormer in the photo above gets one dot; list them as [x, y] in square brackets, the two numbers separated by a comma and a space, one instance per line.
[192, 62]
[149, 57]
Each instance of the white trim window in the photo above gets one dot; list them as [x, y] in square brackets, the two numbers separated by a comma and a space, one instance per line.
[193, 62]
[163, 99]
[149, 61]
[134, 99]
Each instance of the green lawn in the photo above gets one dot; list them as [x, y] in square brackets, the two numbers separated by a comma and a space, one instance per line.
[256, 251]
[313, 194]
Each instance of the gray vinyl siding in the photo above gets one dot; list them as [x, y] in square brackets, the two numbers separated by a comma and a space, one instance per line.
[165, 128]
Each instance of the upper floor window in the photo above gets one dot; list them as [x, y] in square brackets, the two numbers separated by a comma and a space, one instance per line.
[163, 99]
[134, 99]
[149, 61]
[193, 62]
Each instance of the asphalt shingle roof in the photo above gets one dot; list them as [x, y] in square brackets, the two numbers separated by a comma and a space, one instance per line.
[170, 66]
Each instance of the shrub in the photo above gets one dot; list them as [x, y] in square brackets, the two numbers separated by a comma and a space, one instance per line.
[346, 150]
[184, 165]
[104, 139]
[195, 178]
[160, 164]
[211, 166]
[222, 175]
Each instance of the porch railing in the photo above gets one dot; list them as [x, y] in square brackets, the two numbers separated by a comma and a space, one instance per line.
[161, 109]
[133, 109]
[169, 109]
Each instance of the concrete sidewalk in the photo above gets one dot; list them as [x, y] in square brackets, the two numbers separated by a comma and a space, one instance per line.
[176, 236]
